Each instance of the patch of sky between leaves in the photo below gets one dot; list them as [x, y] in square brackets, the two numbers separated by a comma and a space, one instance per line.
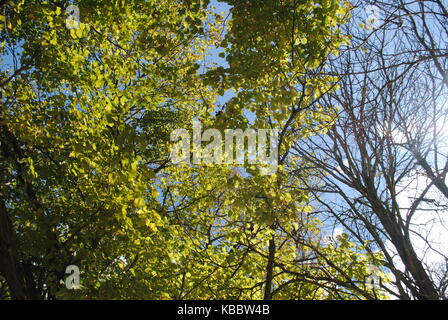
[212, 56]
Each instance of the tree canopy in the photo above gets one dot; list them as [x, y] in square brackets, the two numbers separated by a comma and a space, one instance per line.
[87, 113]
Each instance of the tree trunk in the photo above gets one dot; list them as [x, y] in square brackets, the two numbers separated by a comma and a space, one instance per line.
[270, 270]
[10, 268]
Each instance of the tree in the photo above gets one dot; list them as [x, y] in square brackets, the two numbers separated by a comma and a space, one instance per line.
[85, 121]
[383, 161]
[86, 118]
